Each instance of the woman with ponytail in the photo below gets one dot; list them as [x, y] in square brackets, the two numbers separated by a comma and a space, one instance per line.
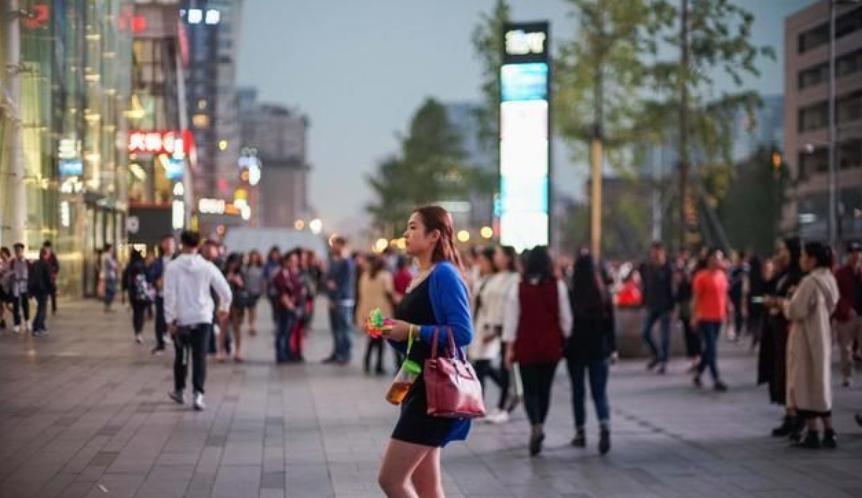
[436, 298]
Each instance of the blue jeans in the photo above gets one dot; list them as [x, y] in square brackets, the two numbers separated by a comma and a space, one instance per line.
[709, 356]
[598, 372]
[341, 322]
[41, 311]
[663, 317]
[286, 320]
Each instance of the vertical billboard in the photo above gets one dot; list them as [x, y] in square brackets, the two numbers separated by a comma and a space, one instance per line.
[524, 202]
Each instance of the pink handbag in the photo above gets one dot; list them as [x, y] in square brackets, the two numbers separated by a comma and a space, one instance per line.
[452, 388]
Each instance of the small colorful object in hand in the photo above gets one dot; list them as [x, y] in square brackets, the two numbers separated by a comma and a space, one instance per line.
[377, 325]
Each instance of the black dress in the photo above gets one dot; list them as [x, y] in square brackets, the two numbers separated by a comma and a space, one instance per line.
[415, 425]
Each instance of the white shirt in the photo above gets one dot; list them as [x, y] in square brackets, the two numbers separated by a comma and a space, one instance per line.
[513, 312]
[187, 284]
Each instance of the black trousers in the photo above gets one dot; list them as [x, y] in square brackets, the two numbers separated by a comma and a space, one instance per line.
[505, 378]
[190, 345]
[538, 379]
[41, 311]
[138, 310]
[161, 327]
[691, 339]
[19, 304]
[484, 369]
[53, 297]
[374, 345]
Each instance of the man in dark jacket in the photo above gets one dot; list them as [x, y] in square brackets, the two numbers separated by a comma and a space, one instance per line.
[156, 271]
[340, 284]
[657, 281]
[40, 286]
[54, 265]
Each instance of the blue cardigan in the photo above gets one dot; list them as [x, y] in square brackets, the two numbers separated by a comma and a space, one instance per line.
[451, 306]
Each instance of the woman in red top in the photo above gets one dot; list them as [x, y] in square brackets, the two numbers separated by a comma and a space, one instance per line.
[710, 310]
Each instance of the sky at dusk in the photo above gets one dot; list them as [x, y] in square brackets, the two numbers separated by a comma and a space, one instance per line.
[359, 68]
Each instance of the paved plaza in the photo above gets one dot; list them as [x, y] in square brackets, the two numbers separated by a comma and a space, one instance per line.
[84, 413]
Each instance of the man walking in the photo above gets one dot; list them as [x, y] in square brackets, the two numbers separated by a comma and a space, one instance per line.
[20, 269]
[341, 287]
[54, 265]
[657, 277]
[848, 312]
[189, 311]
[167, 252]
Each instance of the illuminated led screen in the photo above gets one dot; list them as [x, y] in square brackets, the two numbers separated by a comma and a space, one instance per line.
[524, 156]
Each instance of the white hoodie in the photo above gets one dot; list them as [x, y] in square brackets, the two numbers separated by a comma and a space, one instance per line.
[187, 284]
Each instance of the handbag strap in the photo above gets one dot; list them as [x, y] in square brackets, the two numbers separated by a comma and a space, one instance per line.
[453, 349]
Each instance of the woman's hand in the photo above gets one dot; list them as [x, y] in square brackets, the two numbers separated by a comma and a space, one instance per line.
[400, 330]
[510, 357]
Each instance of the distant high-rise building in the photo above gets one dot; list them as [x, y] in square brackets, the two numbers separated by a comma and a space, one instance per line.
[807, 40]
[277, 135]
[213, 35]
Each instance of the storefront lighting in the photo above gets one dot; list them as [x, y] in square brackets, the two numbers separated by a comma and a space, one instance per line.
[195, 16]
[65, 217]
[381, 245]
[316, 226]
[179, 189]
[212, 17]
[254, 175]
[245, 211]
[486, 232]
[402, 243]
[222, 145]
[178, 214]
[138, 171]
[464, 236]
[211, 206]
[299, 224]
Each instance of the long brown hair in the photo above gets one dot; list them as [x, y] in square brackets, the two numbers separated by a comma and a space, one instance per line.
[437, 218]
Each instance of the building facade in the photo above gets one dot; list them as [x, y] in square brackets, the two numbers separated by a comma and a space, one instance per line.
[807, 38]
[278, 135]
[65, 89]
[213, 28]
[160, 147]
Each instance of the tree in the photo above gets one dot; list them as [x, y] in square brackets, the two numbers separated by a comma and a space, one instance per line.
[713, 38]
[598, 77]
[488, 48]
[430, 168]
[760, 187]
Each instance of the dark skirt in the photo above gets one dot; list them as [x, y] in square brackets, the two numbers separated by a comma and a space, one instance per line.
[772, 364]
[417, 427]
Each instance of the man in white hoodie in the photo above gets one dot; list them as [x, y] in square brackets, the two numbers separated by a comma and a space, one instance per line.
[189, 312]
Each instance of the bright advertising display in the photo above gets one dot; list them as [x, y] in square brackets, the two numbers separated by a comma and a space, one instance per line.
[524, 137]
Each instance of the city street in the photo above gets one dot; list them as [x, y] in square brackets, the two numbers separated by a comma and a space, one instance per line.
[85, 414]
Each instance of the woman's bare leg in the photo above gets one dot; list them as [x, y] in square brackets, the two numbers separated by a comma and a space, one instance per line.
[427, 477]
[399, 463]
[252, 319]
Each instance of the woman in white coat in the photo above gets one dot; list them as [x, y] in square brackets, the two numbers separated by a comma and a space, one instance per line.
[485, 347]
[809, 349]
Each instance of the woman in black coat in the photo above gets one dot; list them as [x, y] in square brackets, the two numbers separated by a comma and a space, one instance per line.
[772, 360]
[590, 347]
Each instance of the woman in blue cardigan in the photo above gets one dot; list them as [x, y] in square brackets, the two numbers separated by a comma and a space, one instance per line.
[437, 297]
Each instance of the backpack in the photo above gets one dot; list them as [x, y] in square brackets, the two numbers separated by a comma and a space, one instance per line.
[143, 290]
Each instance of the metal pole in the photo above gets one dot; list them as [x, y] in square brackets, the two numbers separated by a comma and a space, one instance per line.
[596, 196]
[833, 225]
[13, 83]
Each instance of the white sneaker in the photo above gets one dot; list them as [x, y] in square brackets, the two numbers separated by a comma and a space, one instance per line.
[139, 338]
[16, 329]
[498, 417]
[199, 404]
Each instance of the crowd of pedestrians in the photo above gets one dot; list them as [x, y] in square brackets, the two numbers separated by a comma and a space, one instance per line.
[527, 312]
[21, 280]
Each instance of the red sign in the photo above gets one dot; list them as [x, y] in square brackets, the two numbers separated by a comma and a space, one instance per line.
[38, 16]
[139, 24]
[169, 142]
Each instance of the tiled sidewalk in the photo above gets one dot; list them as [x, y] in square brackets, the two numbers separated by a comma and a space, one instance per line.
[84, 413]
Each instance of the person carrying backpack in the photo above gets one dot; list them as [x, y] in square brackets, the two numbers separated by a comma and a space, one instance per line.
[140, 291]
